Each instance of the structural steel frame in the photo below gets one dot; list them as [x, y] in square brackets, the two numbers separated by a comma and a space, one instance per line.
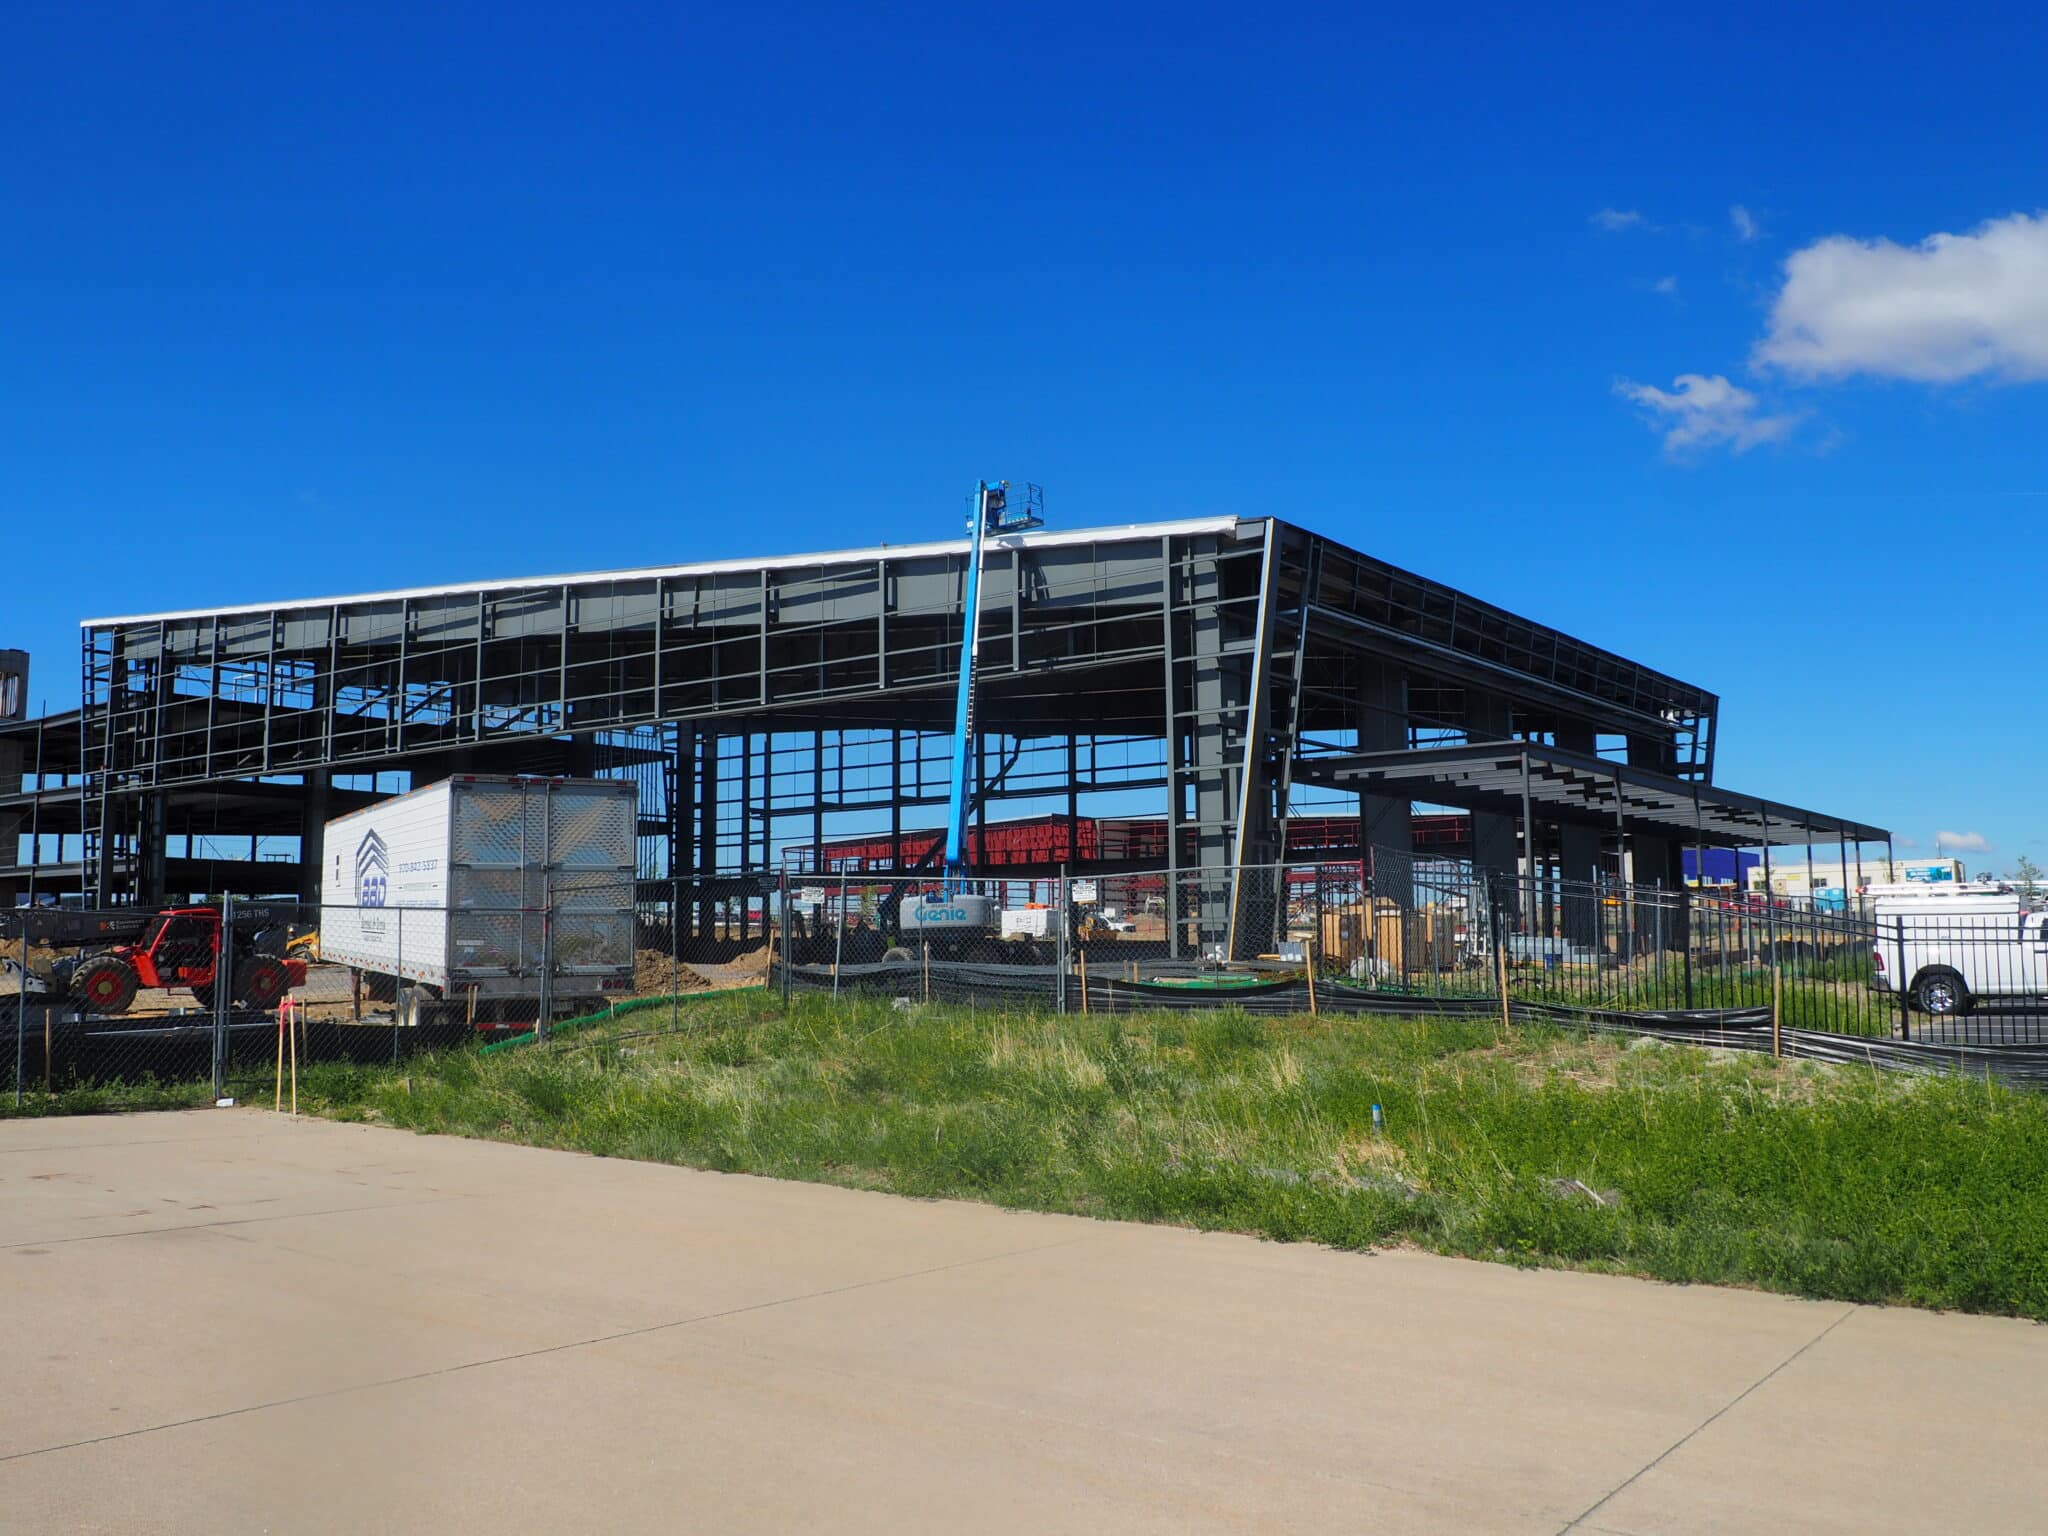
[1203, 666]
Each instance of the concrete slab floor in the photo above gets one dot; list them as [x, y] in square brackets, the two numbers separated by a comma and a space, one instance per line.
[232, 1321]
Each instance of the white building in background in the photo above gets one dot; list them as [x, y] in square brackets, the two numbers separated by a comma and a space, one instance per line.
[1791, 878]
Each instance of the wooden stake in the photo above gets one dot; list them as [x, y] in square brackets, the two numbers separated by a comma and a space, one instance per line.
[46, 1027]
[297, 1020]
[1308, 948]
[927, 970]
[277, 1089]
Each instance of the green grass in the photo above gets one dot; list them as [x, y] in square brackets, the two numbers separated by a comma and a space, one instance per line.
[1821, 1181]
[1835, 1004]
[118, 1096]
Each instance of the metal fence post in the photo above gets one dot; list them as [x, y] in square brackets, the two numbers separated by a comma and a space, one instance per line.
[789, 943]
[398, 988]
[223, 990]
[839, 936]
[547, 959]
[1691, 925]
[1905, 998]
[1770, 937]
[788, 938]
[1063, 908]
[21, 1016]
[1500, 962]
[675, 951]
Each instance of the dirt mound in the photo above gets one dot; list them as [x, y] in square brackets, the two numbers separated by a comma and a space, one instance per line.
[656, 974]
[40, 956]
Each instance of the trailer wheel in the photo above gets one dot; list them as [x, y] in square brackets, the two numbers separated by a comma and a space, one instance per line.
[1941, 994]
[897, 955]
[105, 984]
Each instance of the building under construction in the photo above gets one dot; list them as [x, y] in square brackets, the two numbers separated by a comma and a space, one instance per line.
[1211, 678]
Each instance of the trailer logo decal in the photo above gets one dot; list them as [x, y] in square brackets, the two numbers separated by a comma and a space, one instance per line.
[372, 877]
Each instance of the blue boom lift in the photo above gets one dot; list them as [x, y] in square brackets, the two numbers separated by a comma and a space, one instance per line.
[955, 913]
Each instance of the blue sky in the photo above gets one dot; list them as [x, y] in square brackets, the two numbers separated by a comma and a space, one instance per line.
[298, 305]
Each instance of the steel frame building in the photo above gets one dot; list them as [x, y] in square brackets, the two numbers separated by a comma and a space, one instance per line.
[1214, 671]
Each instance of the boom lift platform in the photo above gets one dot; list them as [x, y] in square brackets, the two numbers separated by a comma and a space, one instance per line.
[957, 912]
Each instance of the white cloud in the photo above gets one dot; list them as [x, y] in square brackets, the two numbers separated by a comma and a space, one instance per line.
[1706, 411]
[1614, 220]
[1952, 307]
[1746, 226]
[1667, 284]
[1962, 842]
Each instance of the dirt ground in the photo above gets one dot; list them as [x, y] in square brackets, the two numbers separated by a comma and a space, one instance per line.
[326, 992]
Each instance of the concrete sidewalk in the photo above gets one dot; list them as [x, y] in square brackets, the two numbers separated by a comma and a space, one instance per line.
[226, 1321]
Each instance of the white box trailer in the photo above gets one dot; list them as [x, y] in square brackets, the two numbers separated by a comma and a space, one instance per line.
[1949, 945]
[486, 893]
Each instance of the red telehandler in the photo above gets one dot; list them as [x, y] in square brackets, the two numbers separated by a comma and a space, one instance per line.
[178, 948]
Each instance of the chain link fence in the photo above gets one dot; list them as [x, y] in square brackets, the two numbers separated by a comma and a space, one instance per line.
[127, 1009]
[132, 1008]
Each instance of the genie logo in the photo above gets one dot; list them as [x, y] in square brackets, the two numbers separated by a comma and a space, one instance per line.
[941, 914]
[372, 871]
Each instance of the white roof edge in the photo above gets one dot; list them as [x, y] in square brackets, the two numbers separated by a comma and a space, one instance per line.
[1040, 539]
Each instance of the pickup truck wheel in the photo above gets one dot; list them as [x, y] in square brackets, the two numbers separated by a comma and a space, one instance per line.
[1941, 994]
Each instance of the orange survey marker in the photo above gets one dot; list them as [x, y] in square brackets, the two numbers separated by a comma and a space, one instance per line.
[291, 1018]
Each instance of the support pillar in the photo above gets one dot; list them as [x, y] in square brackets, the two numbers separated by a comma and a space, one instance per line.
[14, 767]
[706, 870]
[1658, 860]
[1488, 718]
[1579, 854]
[13, 824]
[152, 847]
[1206, 696]
[1386, 824]
[314, 813]
[1258, 896]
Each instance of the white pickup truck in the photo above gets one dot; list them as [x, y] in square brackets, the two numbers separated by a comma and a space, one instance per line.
[1951, 945]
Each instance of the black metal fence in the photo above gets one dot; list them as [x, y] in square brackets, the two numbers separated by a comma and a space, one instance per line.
[1395, 932]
